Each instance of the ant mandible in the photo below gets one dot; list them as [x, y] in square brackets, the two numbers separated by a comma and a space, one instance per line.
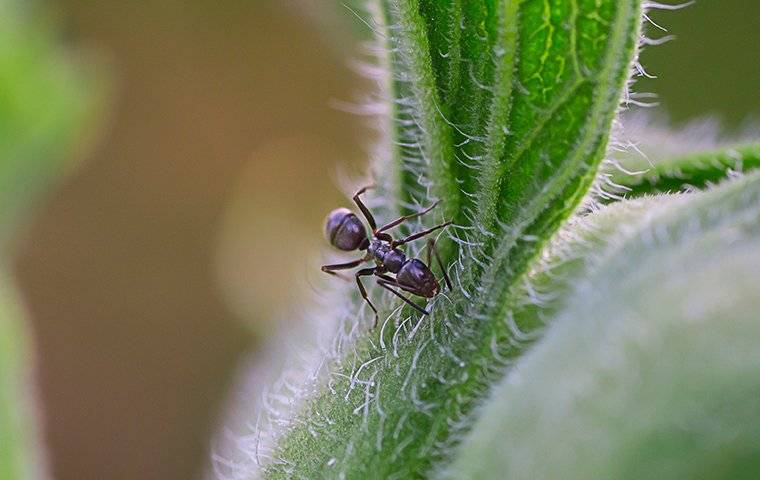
[346, 232]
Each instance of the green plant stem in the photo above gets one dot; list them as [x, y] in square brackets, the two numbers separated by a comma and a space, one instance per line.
[396, 401]
[694, 171]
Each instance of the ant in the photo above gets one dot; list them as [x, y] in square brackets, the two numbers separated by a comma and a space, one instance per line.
[346, 232]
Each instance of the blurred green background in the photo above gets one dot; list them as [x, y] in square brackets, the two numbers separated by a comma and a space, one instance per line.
[195, 219]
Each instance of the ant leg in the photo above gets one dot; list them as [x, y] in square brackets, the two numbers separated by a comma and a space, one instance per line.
[432, 250]
[387, 278]
[403, 219]
[386, 285]
[364, 209]
[342, 266]
[421, 234]
[363, 273]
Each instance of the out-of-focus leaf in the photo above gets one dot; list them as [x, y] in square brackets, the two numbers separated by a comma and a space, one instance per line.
[21, 452]
[46, 100]
[651, 369]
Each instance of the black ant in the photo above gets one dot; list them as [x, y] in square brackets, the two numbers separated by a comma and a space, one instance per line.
[346, 232]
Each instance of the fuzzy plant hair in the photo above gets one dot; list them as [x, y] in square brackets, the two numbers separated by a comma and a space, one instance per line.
[502, 111]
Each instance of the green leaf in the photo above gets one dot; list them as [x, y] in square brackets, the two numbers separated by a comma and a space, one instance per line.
[21, 455]
[687, 172]
[502, 110]
[46, 100]
[572, 254]
[651, 370]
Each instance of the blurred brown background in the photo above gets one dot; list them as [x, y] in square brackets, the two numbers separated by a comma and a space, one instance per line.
[156, 266]
[137, 346]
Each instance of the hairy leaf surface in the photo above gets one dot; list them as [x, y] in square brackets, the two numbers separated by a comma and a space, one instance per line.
[688, 172]
[502, 111]
[651, 368]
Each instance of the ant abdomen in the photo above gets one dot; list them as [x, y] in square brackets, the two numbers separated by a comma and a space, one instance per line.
[415, 273]
[345, 231]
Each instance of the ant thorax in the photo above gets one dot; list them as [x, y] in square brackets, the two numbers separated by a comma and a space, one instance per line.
[389, 258]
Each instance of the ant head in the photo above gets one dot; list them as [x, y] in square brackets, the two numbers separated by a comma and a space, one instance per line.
[345, 231]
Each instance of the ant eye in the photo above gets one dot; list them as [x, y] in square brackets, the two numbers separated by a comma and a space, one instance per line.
[344, 230]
